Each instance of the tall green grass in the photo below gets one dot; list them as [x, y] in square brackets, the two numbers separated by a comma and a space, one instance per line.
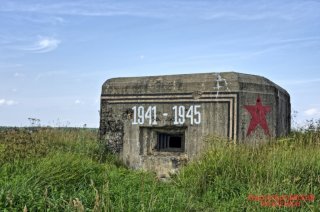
[51, 169]
[226, 174]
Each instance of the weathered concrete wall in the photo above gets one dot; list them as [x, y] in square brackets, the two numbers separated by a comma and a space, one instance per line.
[184, 109]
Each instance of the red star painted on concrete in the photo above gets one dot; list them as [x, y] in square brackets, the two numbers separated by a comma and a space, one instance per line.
[258, 116]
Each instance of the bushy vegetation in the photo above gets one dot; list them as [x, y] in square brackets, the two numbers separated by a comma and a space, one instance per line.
[64, 170]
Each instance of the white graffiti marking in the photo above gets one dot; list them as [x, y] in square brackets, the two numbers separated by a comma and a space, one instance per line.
[220, 83]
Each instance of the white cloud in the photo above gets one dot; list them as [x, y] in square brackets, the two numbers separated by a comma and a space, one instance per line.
[78, 102]
[18, 74]
[312, 112]
[43, 45]
[8, 65]
[7, 102]
[50, 74]
[248, 10]
[43, 20]
[244, 17]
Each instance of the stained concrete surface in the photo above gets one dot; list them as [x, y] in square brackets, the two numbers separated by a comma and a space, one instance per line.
[137, 111]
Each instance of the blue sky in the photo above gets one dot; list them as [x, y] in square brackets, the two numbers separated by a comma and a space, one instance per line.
[55, 55]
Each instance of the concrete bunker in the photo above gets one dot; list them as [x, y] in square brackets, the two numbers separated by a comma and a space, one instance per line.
[159, 123]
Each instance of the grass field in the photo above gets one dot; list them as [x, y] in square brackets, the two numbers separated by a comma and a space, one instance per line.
[52, 169]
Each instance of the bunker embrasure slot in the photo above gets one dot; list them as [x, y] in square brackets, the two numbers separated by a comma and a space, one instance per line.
[170, 142]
